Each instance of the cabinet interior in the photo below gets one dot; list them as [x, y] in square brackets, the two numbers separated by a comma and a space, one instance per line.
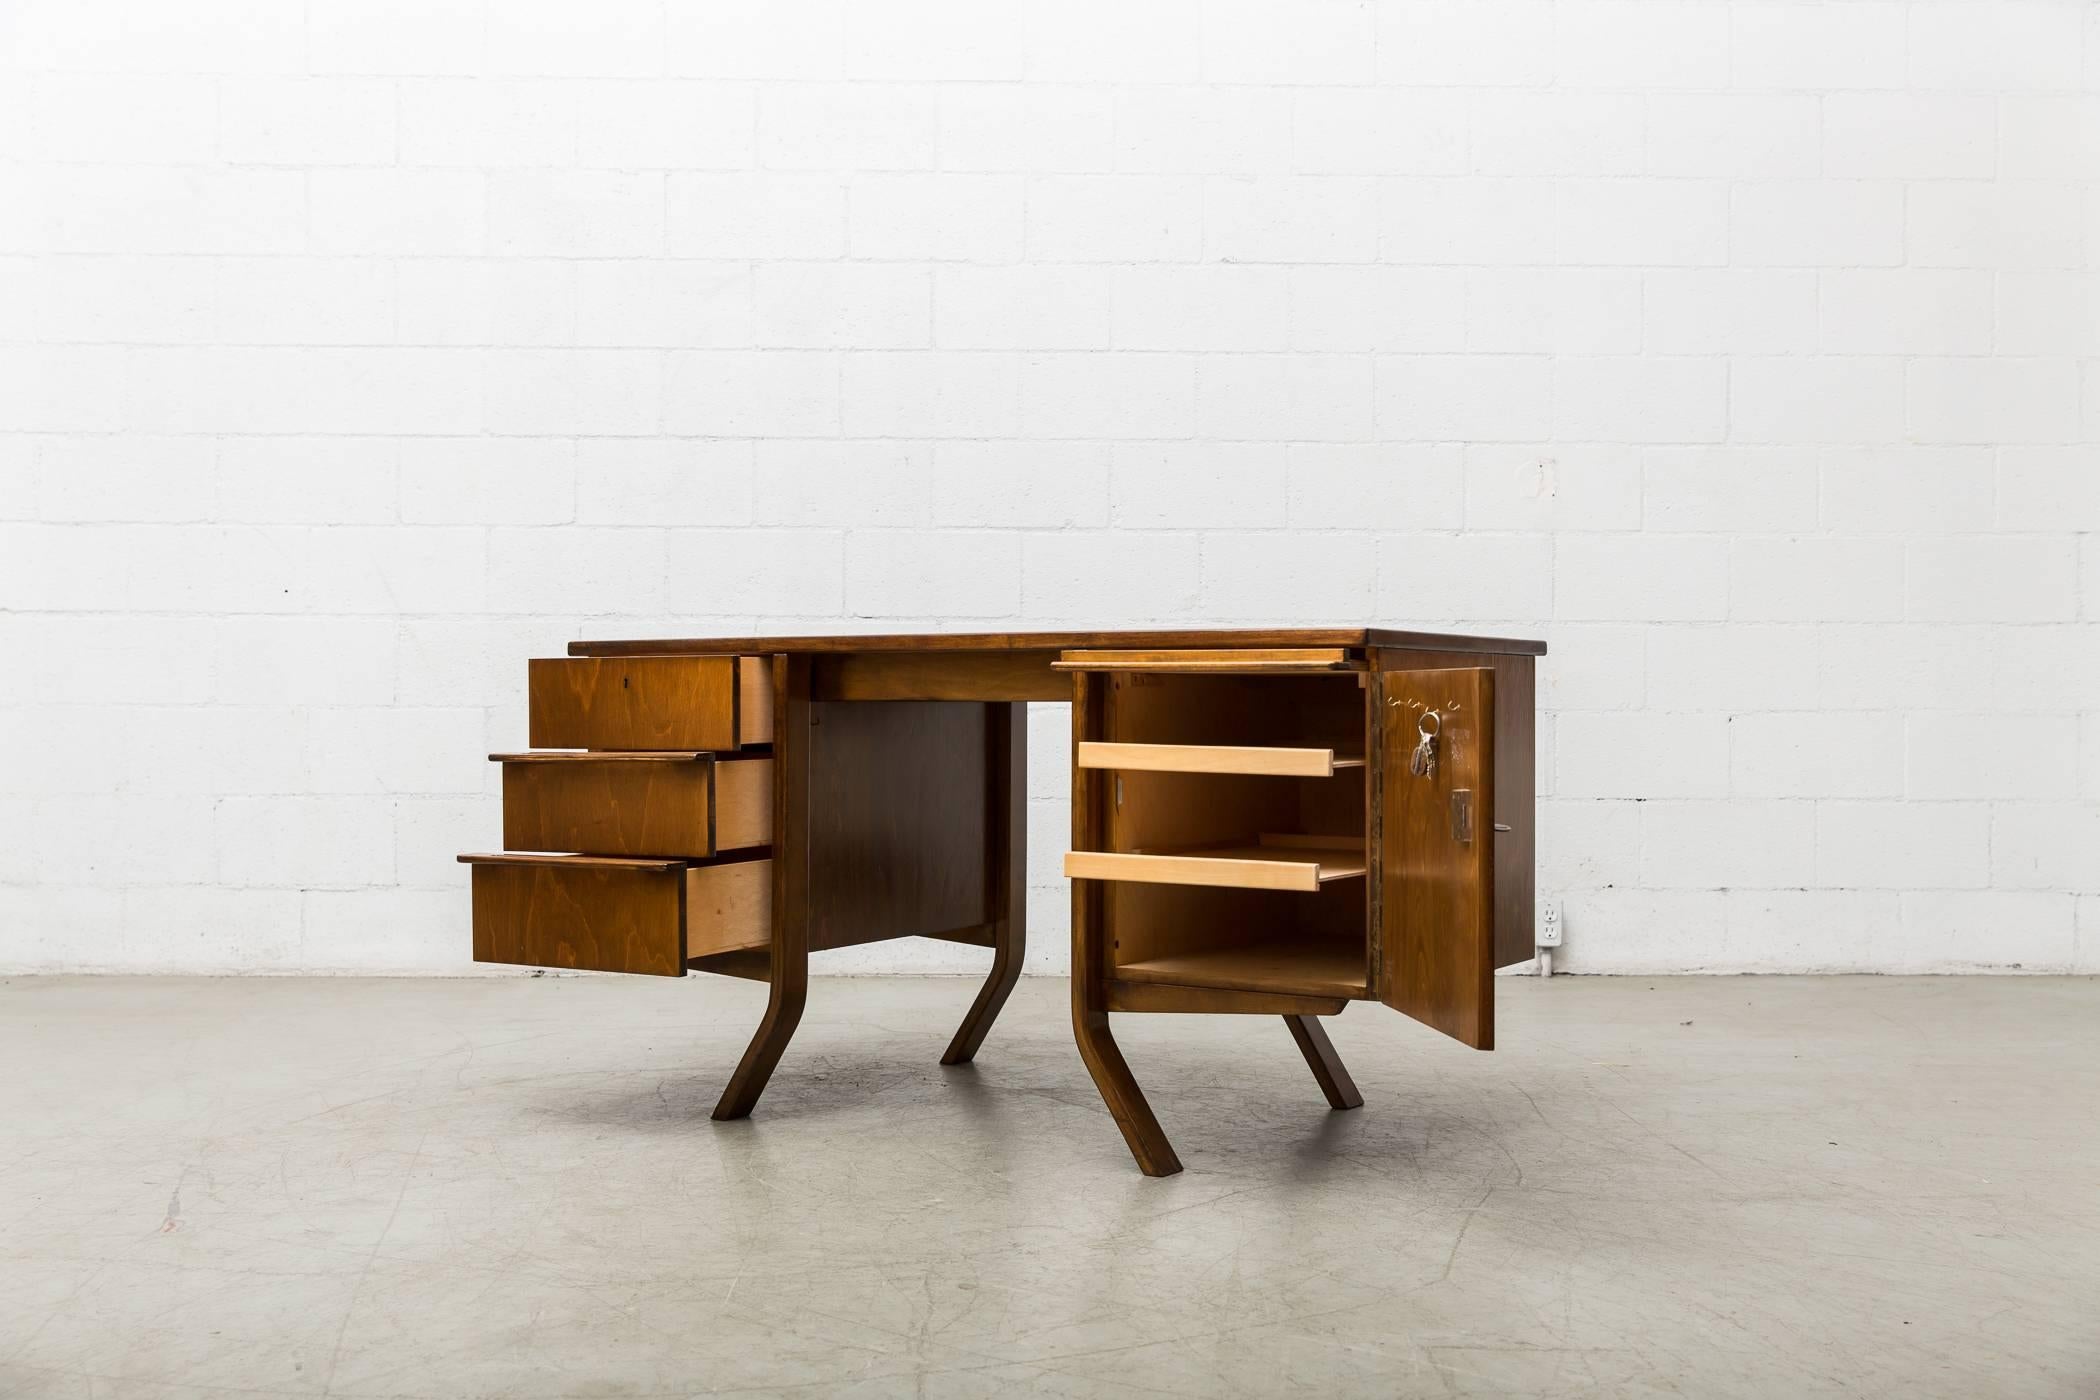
[1303, 942]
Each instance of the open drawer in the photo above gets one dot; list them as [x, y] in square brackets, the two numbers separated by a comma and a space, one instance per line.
[608, 914]
[687, 805]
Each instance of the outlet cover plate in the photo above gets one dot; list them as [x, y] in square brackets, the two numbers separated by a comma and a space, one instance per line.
[1549, 924]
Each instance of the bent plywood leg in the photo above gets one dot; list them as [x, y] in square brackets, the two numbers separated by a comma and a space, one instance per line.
[783, 1013]
[1005, 872]
[1325, 1064]
[1007, 952]
[788, 954]
[1119, 1090]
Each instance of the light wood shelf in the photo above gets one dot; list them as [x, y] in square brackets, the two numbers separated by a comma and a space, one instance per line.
[1216, 758]
[1269, 862]
[1213, 660]
[1296, 968]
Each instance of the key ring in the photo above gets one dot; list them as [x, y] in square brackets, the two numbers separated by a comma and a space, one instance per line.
[1422, 762]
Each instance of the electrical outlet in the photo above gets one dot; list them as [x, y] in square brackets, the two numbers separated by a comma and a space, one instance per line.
[1549, 924]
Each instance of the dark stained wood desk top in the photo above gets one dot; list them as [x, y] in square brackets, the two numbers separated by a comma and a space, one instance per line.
[1058, 641]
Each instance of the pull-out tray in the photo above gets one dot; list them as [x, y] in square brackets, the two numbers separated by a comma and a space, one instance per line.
[1213, 661]
[1301, 863]
[1215, 758]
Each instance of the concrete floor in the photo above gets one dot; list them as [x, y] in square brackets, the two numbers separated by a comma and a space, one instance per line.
[1696, 1187]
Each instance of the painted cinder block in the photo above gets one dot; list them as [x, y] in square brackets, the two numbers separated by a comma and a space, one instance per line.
[354, 351]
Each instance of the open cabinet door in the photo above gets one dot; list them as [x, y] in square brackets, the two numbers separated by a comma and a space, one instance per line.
[1436, 906]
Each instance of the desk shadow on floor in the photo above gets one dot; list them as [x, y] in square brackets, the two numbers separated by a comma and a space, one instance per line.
[1258, 1121]
[823, 1086]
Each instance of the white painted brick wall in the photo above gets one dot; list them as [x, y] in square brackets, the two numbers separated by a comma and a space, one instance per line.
[352, 352]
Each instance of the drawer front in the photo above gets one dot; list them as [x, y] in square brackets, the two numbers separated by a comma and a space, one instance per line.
[647, 702]
[590, 915]
[597, 914]
[687, 805]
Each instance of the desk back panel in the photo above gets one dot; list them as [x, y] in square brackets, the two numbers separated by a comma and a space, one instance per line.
[897, 820]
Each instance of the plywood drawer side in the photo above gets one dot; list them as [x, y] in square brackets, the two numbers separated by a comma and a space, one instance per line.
[729, 906]
[754, 700]
[743, 803]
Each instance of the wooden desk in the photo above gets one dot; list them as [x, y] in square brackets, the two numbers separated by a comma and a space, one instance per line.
[1247, 833]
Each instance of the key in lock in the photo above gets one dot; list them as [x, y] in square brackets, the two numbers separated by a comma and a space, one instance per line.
[1422, 762]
